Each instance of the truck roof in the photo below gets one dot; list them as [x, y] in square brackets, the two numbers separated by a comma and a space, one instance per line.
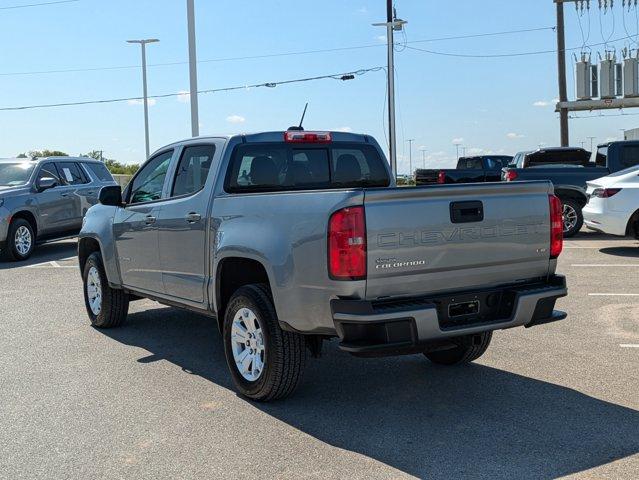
[278, 136]
[37, 160]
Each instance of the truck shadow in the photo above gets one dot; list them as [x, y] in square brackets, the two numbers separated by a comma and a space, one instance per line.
[428, 421]
[621, 251]
[48, 252]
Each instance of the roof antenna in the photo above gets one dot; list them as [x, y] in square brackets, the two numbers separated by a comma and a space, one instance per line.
[300, 128]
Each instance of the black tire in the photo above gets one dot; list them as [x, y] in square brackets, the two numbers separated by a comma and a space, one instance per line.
[11, 252]
[284, 352]
[574, 229]
[115, 303]
[465, 352]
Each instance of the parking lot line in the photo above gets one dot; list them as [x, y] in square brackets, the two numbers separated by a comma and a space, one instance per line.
[613, 294]
[605, 265]
[51, 264]
[629, 345]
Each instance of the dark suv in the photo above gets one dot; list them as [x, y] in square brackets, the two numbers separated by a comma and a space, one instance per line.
[45, 199]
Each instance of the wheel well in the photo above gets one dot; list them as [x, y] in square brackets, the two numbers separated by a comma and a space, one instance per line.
[29, 217]
[633, 225]
[578, 197]
[233, 273]
[86, 246]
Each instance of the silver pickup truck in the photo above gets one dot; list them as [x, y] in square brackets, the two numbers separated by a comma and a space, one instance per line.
[291, 238]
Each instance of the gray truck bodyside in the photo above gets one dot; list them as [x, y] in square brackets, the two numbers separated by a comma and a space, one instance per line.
[280, 238]
[54, 213]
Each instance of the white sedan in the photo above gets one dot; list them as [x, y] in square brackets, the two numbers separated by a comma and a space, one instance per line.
[613, 203]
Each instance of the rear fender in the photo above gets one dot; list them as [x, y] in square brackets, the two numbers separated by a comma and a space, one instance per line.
[571, 193]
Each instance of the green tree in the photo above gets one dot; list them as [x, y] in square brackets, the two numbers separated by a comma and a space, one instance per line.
[43, 153]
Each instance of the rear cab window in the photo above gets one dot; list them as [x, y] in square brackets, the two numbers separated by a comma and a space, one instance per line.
[629, 156]
[280, 167]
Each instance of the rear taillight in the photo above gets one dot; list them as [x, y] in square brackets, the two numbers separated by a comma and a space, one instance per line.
[307, 137]
[605, 192]
[441, 177]
[347, 244]
[556, 226]
[510, 175]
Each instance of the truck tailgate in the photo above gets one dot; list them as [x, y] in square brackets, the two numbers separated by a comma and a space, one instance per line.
[453, 237]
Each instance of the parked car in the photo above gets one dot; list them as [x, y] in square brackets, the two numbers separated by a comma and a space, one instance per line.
[613, 204]
[569, 169]
[289, 238]
[483, 168]
[44, 199]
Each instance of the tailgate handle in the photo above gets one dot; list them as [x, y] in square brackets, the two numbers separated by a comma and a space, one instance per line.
[466, 212]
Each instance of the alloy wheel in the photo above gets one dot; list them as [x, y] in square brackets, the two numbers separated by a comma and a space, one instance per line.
[94, 291]
[247, 344]
[23, 240]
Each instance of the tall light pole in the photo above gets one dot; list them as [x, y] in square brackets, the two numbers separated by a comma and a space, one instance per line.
[591, 142]
[195, 122]
[457, 144]
[391, 25]
[410, 155]
[144, 89]
[423, 150]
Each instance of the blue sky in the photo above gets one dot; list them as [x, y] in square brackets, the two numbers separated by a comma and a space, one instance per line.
[488, 104]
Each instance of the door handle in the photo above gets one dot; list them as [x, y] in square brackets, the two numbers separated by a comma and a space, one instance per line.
[193, 217]
[149, 220]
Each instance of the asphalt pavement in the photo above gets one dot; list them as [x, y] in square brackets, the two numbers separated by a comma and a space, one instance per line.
[154, 399]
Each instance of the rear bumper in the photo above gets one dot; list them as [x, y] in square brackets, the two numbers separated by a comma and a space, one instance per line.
[403, 326]
[605, 221]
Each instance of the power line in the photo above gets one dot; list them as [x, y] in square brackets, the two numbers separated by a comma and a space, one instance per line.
[338, 76]
[506, 55]
[272, 55]
[27, 5]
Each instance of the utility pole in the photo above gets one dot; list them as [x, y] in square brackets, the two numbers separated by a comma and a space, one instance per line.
[143, 43]
[591, 142]
[195, 122]
[561, 72]
[457, 144]
[410, 155]
[391, 25]
[423, 150]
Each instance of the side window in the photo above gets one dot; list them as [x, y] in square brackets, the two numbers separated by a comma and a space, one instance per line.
[71, 173]
[629, 156]
[100, 171]
[48, 170]
[149, 182]
[193, 169]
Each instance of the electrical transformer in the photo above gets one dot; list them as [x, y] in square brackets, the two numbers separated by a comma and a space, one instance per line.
[583, 77]
[607, 77]
[631, 77]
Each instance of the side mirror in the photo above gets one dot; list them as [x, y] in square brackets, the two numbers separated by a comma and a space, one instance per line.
[45, 183]
[111, 196]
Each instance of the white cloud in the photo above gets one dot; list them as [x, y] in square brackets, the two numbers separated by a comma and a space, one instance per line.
[184, 96]
[457, 140]
[235, 119]
[362, 10]
[151, 101]
[545, 103]
[513, 135]
[475, 151]
[344, 129]
[381, 38]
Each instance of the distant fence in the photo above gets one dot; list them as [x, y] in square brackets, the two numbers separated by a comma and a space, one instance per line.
[122, 179]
